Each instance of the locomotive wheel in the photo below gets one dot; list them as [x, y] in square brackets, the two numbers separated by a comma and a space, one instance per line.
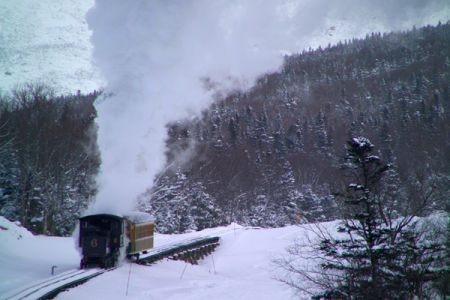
[83, 264]
[107, 263]
[102, 263]
[111, 262]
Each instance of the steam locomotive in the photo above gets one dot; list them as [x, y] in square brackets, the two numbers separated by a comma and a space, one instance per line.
[103, 237]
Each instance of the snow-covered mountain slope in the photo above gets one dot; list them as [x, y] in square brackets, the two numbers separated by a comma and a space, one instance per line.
[240, 268]
[49, 41]
[46, 41]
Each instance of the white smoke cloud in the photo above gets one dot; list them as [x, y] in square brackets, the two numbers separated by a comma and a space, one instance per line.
[154, 53]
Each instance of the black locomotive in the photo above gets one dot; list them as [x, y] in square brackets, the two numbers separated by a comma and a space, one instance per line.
[103, 236]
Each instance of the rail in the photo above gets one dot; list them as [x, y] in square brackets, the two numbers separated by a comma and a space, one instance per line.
[190, 250]
[52, 286]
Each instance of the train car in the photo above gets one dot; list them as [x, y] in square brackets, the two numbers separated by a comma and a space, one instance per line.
[103, 237]
[140, 231]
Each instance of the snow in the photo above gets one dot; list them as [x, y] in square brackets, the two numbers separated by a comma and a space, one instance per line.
[48, 42]
[362, 142]
[25, 258]
[240, 268]
[356, 186]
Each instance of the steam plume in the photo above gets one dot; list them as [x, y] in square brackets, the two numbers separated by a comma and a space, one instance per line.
[155, 53]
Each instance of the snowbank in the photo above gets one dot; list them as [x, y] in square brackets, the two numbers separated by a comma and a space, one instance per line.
[25, 258]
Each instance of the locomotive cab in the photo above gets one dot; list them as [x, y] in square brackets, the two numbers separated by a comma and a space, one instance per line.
[100, 239]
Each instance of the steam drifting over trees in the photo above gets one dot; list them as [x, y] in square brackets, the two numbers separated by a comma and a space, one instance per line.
[270, 154]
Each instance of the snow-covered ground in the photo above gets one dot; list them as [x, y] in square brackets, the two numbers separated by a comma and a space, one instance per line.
[25, 258]
[240, 268]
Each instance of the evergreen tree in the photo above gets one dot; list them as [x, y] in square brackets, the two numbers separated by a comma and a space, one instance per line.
[9, 181]
[375, 254]
[320, 132]
[381, 257]
[204, 212]
[168, 203]
[179, 205]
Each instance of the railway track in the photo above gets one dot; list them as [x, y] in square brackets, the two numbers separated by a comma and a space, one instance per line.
[189, 250]
[50, 287]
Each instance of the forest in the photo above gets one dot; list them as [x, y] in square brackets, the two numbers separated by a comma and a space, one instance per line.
[271, 155]
[48, 158]
[268, 156]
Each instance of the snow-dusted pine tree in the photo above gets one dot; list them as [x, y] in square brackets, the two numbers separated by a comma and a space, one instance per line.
[383, 256]
[377, 254]
[179, 205]
[204, 212]
[9, 182]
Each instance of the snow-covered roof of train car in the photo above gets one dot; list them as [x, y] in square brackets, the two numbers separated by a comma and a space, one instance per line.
[139, 217]
[135, 216]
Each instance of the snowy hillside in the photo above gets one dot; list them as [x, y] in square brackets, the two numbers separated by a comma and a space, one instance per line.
[143, 51]
[240, 268]
[46, 41]
[49, 41]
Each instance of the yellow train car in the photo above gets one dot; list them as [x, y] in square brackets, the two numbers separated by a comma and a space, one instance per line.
[140, 230]
[104, 237]
[140, 236]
